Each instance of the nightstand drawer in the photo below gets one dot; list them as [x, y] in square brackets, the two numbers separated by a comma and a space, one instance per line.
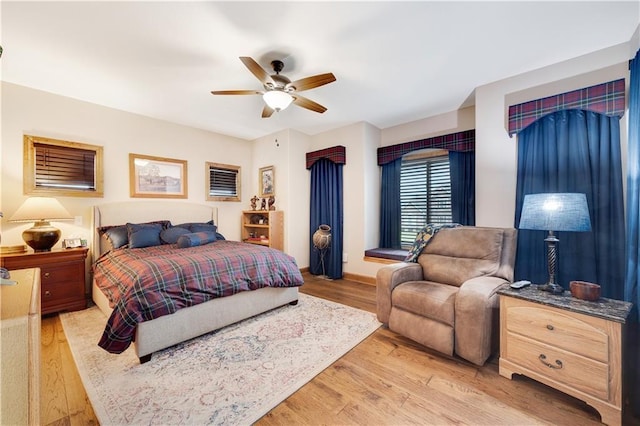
[584, 374]
[558, 329]
[61, 274]
[55, 292]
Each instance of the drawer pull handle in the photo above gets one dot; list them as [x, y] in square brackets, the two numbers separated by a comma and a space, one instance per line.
[549, 327]
[46, 274]
[543, 359]
[47, 293]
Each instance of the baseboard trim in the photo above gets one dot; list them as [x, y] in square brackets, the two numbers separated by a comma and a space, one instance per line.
[364, 279]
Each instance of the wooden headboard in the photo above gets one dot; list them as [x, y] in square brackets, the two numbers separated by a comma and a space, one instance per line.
[119, 213]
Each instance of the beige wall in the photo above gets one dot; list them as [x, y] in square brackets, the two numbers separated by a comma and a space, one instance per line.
[30, 111]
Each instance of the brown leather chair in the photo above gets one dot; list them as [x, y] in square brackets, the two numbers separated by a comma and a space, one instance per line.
[447, 301]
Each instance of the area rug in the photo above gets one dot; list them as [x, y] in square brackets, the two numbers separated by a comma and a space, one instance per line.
[232, 376]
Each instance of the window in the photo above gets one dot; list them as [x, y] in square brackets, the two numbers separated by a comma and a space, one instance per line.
[222, 182]
[57, 167]
[425, 194]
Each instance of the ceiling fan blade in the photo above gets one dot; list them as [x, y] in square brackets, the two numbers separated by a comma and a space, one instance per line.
[257, 70]
[236, 92]
[267, 111]
[313, 81]
[308, 104]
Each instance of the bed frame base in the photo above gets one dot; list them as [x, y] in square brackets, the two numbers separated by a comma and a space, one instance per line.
[163, 332]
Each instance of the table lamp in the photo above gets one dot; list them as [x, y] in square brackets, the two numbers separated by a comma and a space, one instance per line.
[42, 236]
[554, 212]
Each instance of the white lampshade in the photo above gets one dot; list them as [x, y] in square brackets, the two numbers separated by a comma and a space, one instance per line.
[277, 99]
[40, 208]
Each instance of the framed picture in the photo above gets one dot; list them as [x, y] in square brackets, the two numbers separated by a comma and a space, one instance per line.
[157, 177]
[267, 182]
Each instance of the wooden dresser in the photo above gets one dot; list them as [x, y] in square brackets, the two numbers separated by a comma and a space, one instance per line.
[20, 349]
[569, 344]
[63, 276]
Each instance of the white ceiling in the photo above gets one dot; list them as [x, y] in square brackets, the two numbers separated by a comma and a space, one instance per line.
[394, 62]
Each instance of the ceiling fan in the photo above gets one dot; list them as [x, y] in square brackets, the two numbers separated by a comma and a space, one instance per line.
[279, 91]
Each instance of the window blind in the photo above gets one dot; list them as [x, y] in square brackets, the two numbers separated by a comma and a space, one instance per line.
[425, 195]
[223, 182]
[64, 167]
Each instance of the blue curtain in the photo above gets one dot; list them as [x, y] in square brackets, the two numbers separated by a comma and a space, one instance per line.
[326, 208]
[462, 170]
[631, 293]
[574, 151]
[390, 205]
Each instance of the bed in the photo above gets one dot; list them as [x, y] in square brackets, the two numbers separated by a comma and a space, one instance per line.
[151, 335]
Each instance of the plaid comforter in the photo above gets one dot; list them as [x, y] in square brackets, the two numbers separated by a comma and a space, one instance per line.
[146, 283]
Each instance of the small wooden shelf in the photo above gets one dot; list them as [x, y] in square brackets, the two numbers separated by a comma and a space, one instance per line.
[269, 233]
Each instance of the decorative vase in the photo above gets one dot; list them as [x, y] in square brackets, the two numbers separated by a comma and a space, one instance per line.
[322, 237]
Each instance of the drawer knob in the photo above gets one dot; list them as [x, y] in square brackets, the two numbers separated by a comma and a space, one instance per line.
[543, 359]
[549, 327]
[47, 293]
[46, 274]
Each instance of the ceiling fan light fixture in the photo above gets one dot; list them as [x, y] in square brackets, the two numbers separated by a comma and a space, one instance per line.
[277, 99]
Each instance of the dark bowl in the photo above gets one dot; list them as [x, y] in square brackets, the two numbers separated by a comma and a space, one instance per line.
[584, 290]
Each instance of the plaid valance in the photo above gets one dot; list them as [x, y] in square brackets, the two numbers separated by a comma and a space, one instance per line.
[337, 154]
[461, 141]
[605, 98]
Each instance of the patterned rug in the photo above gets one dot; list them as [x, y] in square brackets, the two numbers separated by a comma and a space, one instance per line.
[232, 376]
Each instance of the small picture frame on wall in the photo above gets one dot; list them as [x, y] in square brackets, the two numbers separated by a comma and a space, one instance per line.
[157, 177]
[267, 182]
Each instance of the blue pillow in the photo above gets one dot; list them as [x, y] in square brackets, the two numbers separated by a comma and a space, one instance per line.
[219, 236]
[196, 239]
[117, 236]
[198, 226]
[144, 235]
[203, 227]
[171, 235]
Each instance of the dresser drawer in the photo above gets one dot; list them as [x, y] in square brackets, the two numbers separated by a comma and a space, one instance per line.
[60, 286]
[578, 372]
[61, 274]
[558, 329]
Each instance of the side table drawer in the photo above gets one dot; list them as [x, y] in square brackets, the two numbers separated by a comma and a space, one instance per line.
[60, 284]
[584, 374]
[61, 274]
[558, 329]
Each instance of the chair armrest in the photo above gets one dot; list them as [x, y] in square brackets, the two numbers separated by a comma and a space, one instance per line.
[388, 278]
[477, 318]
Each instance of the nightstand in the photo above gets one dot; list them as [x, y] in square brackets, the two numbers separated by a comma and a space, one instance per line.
[572, 345]
[62, 278]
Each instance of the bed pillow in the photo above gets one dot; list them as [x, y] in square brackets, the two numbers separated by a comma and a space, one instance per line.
[203, 227]
[171, 235]
[117, 236]
[198, 226]
[219, 236]
[144, 235]
[194, 239]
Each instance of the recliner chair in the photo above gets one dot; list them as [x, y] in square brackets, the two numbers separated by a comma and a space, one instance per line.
[447, 301]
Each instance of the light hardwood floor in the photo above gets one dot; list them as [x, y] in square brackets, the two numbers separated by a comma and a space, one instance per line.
[386, 379]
